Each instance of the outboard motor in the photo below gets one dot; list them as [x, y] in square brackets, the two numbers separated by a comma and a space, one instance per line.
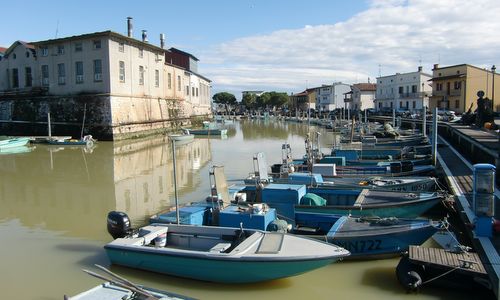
[118, 224]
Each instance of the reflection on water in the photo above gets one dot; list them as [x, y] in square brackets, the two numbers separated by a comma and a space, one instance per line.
[54, 202]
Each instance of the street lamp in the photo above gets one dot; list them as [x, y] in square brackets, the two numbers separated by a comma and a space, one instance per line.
[493, 69]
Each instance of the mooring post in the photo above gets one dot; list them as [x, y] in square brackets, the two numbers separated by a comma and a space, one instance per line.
[424, 121]
[394, 117]
[434, 135]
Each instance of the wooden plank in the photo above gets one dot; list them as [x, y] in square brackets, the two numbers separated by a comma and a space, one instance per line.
[441, 257]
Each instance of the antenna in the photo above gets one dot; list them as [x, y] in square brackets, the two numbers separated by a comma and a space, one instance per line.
[57, 28]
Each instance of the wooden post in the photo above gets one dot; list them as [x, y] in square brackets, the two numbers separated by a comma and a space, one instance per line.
[175, 184]
[434, 135]
[424, 121]
[394, 117]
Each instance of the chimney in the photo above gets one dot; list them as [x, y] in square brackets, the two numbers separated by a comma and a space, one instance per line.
[145, 36]
[129, 27]
[162, 40]
[420, 68]
[436, 66]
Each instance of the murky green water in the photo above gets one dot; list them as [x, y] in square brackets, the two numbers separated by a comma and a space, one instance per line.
[54, 201]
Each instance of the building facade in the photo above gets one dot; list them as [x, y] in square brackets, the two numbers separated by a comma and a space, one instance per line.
[361, 96]
[133, 76]
[331, 97]
[406, 92]
[304, 100]
[455, 87]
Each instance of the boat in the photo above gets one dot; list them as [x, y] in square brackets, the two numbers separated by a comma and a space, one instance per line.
[16, 150]
[184, 137]
[87, 141]
[209, 131]
[119, 288]
[216, 254]
[13, 142]
[290, 198]
[366, 237]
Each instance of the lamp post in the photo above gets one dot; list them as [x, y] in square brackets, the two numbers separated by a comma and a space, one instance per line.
[493, 69]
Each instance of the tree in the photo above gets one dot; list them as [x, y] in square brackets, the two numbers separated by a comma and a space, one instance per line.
[225, 98]
[249, 101]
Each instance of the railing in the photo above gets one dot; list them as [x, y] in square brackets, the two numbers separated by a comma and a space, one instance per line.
[413, 95]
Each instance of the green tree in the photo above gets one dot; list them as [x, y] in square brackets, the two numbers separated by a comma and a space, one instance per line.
[225, 98]
[249, 101]
[277, 100]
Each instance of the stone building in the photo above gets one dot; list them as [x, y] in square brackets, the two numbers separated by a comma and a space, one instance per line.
[127, 85]
[361, 96]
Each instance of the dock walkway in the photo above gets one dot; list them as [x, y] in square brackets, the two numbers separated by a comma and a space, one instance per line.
[459, 176]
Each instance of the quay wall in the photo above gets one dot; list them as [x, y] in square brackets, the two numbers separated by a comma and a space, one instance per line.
[107, 117]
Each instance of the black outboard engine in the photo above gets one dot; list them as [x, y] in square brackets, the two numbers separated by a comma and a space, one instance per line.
[118, 224]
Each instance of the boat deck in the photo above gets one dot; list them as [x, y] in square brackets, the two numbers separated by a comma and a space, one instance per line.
[467, 262]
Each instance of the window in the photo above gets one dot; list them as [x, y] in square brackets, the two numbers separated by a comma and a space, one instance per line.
[27, 54]
[28, 77]
[79, 71]
[380, 104]
[414, 104]
[187, 90]
[414, 88]
[196, 92]
[157, 78]
[97, 70]
[400, 104]
[439, 86]
[14, 56]
[97, 44]
[15, 78]
[179, 83]
[141, 75]
[45, 75]
[457, 103]
[60, 49]
[78, 47]
[121, 47]
[157, 57]
[192, 91]
[61, 74]
[457, 85]
[141, 52]
[45, 51]
[122, 71]
[407, 104]
[391, 104]
[169, 82]
[401, 89]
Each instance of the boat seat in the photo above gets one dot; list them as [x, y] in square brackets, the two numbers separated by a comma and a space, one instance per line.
[220, 248]
[361, 198]
[149, 233]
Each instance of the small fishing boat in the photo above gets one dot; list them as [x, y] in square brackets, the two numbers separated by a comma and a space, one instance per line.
[13, 142]
[209, 131]
[16, 150]
[119, 288]
[366, 237]
[184, 137]
[217, 254]
[87, 141]
[290, 198]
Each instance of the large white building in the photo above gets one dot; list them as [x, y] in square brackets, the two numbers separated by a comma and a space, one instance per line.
[407, 91]
[142, 86]
[331, 97]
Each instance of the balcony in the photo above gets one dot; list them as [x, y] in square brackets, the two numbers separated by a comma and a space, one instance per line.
[418, 95]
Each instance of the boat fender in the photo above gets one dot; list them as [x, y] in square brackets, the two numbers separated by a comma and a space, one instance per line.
[408, 275]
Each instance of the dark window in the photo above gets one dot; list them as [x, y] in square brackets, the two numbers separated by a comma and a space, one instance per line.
[97, 70]
[457, 103]
[79, 71]
[45, 75]
[401, 90]
[28, 77]
[15, 78]
[122, 71]
[414, 104]
[78, 47]
[97, 44]
[414, 88]
[61, 74]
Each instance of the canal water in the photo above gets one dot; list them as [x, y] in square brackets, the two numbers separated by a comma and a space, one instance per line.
[54, 201]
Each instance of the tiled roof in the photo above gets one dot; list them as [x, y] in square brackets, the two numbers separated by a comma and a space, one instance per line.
[366, 86]
[3, 49]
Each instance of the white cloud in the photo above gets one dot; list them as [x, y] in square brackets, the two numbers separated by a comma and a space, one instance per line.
[395, 34]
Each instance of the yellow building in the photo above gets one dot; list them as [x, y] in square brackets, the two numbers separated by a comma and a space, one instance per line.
[455, 87]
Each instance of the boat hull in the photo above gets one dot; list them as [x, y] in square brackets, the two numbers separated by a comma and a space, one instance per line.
[214, 270]
[13, 143]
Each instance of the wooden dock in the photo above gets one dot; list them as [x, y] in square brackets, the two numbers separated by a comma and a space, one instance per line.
[441, 258]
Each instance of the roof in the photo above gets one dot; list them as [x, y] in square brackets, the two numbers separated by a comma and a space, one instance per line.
[365, 86]
[462, 65]
[301, 94]
[99, 34]
[16, 43]
[183, 52]
[447, 77]
[3, 49]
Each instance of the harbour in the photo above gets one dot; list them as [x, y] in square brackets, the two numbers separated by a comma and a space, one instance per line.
[56, 200]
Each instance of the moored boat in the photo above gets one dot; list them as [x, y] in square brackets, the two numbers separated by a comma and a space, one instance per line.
[183, 137]
[13, 142]
[218, 254]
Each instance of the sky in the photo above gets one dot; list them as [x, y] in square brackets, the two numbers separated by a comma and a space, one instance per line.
[283, 45]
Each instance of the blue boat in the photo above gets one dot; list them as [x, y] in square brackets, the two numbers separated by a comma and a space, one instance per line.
[13, 142]
[209, 131]
[366, 237]
[217, 254]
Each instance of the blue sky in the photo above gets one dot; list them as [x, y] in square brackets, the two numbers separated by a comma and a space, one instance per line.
[283, 45]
